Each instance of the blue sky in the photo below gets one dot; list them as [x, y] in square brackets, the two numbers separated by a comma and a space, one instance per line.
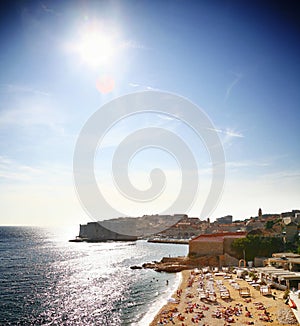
[238, 61]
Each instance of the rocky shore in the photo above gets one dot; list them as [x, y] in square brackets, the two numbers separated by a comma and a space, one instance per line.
[178, 264]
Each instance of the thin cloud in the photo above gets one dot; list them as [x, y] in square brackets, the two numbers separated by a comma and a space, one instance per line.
[14, 88]
[47, 9]
[232, 133]
[35, 115]
[245, 164]
[216, 130]
[286, 174]
[12, 170]
[126, 127]
[232, 85]
[130, 44]
[147, 87]
[228, 135]
[167, 117]
[228, 132]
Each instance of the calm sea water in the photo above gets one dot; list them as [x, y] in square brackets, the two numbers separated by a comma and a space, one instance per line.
[46, 280]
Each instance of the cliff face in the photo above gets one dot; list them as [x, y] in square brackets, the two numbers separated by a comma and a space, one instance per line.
[94, 231]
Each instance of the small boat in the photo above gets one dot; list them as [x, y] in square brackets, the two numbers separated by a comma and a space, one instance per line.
[77, 239]
[136, 267]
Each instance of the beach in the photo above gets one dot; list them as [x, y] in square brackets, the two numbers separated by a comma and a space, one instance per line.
[222, 299]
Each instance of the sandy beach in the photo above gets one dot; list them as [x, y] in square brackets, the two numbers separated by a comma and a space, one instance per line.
[214, 299]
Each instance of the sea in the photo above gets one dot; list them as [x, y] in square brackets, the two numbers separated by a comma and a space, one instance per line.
[47, 280]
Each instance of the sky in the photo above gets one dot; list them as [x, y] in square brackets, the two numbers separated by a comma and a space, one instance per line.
[61, 61]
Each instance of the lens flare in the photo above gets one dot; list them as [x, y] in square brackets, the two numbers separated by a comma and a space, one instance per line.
[105, 84]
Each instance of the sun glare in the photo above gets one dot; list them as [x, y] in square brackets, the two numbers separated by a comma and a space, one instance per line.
[96, 49]
[96, 46]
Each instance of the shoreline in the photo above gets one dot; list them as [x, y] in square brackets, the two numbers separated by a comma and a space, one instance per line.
[170, 305]
[189, 306]
[171, 241]
[157, 305]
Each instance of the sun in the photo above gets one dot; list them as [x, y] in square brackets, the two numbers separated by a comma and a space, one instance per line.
[96, 46]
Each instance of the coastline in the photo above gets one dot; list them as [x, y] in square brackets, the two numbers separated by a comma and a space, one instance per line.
[157, 305]
[189, 305]
[171, 241]
[169, 305]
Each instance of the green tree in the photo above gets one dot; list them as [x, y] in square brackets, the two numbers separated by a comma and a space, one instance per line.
[257, 246]
[269, 225]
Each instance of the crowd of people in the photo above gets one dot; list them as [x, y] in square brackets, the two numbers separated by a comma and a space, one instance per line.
[201, 301]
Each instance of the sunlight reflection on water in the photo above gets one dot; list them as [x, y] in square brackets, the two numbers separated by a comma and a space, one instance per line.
[48, 280]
